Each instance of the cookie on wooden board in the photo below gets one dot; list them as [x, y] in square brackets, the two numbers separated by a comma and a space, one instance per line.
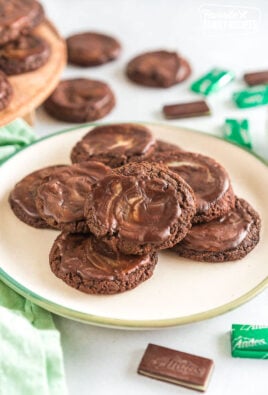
[6, 91]
[27, 53]
[18, 17]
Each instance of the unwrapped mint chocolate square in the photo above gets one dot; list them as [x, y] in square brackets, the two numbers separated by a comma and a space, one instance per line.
[176, 367]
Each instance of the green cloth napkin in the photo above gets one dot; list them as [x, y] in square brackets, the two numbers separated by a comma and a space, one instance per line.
[31, 361]
[13, 137]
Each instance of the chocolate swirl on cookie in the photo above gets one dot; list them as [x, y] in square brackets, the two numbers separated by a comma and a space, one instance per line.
[143, 210]
[60, 198]
[82, 263]
[22, 197]
[226, 238]
[140, 207]
[220, 234]
[115, 145]
[209, 180]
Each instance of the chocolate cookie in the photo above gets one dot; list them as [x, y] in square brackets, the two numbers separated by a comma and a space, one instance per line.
[162, 146]
[81, 263]
[18, 17]
[115, 145]
[22, 197]
[224, 239]
[158, 69]
[61, 196]
[209, 180]
[140, 208]
[6, 91]
[27, 53]
[92, 49]
[80, 100]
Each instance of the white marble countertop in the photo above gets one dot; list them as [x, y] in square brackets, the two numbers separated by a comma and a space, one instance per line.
[231, 36]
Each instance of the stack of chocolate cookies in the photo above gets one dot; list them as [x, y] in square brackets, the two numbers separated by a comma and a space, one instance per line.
[126, 197]
[21, 50]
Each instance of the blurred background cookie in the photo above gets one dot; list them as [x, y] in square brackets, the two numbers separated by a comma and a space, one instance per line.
[92, 49]
[6, 91]
[158, 69]
[80, 100]
[26, 53]
[18, 17]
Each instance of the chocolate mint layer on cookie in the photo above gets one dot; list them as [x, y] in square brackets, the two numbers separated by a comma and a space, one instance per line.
[140, 208]
[61, 196]
[158, 69]
[22, 197]
[6, 91]
[115, 145]
[27, 53]
[209, 180]
[92, 49]
[228, 238]
[80, 100]
[162, 146]
[83, 264]
[18, 17]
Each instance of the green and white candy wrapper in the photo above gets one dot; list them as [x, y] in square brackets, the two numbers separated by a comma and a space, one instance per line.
[249, 341]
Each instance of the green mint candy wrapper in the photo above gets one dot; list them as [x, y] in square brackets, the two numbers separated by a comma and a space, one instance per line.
[250, 354]
[249, 341]
[237, 131]
[251, 97]
[213, 81]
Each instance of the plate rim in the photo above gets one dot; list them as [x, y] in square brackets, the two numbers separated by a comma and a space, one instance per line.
[118, 322]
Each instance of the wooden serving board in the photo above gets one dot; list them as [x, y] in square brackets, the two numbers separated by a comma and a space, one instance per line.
[31, 89]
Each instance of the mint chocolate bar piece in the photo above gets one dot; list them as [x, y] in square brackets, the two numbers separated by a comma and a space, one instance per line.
[256, 78]
[176, 367]
[186, 110]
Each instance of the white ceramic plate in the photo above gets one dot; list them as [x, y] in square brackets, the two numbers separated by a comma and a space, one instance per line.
[180, 290]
